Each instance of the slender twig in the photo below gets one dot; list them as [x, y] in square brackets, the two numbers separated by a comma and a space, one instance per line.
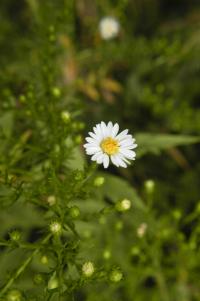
[23, 266]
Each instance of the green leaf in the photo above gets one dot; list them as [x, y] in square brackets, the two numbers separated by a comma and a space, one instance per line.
[154, 143]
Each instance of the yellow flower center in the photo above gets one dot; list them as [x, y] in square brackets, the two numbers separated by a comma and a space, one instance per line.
[110, 146]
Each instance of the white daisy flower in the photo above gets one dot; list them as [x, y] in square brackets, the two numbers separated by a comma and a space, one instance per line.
[105, 144]
[109, 28]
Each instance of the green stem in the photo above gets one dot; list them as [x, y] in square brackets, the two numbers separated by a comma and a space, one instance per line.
[21, 269]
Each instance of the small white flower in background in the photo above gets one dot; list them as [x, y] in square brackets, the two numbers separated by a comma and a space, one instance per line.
[105, 145]
[109, 28]
[141, 230]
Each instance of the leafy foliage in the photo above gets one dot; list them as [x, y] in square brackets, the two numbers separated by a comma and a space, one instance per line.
[70, 230]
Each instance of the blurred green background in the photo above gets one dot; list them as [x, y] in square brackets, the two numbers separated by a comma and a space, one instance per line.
[54, 59]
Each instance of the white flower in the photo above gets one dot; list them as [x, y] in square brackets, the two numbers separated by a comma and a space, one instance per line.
[109, 28]
[105, 144]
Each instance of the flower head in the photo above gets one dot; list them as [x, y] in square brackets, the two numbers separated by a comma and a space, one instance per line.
[109, 28]
[105, 145]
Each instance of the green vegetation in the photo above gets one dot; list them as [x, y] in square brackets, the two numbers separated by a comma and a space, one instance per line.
[71, 230]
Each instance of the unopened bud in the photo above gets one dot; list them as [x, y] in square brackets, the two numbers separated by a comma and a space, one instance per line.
[106, 254]
[44, 259]
[99, 181]
[88, 269]
[74, 212]
[53, 282]
[15, 235]
[149, 186]
[65, 115]
[38, 279]
[55, 227]
[14, 295]
[123, 205]
[115, 276]
[51, 200]
[56, 92]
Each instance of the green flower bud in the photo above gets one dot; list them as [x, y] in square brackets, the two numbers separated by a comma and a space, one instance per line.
[44, 260]
[65, 116]
[22, 98]
[38, 279]
[78, 139]
[14, 295]
[56, 227]
[149, 186]
[119, 225]
[88, 269]
[15, 235]
[74, 212]
[56, 91]
[177, 214]
[106, 254]
[116, 275]
[135, 251]
[53, 282]
[99, 181]
[123, 205]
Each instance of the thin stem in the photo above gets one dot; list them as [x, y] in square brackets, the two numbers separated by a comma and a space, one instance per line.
[21, 269]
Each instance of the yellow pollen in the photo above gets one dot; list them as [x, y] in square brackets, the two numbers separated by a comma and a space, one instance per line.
[110, 146]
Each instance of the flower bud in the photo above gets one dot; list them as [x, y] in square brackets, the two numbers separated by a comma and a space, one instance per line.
[99, 181]
[141, 230]
[15, 235]
[38, 279]
[88, 269]
[14, 295]
[78, 139]
[177, 214]
[65, 116]
[56, 92]
[115, 275]
[74, 212]
[53, 282]
[51, 200]
[149, 186]
[44, 260]
[106, 254]
[56, 227]
[123, 205]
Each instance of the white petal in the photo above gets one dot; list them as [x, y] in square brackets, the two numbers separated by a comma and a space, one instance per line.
[100, 159]
[115, 130]
[127, 153]
[94, 136]
[105, 160]
[96, 155]
[109, 128]
[88, 145]
[122, 134]
[126, 142]
[114, 161]
[90, 140]
[120, 161]
[104, 129]
[92, 150]
[98, 131]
